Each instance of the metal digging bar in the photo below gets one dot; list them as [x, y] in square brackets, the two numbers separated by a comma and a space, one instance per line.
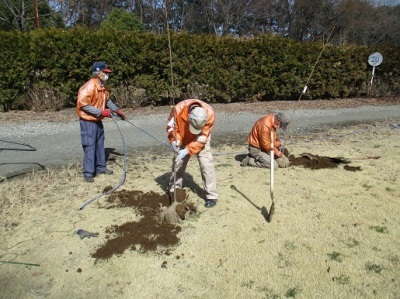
[148, 134]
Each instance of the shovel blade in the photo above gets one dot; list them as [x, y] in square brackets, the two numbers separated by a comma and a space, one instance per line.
[271, 212]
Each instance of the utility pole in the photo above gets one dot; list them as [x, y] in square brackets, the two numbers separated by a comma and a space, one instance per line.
[36, 12]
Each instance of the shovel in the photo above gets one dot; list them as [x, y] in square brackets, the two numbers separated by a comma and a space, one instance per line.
[272, 166]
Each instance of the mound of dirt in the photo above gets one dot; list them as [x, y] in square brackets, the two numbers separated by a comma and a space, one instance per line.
[316, 162]
[147, 234]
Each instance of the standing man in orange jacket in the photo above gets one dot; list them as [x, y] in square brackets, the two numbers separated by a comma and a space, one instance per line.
[93, 98]
[189, 132]
[259, 141]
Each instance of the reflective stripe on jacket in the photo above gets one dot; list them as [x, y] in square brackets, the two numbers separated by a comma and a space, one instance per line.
[178, 127]
[91, 93]
[259, 136]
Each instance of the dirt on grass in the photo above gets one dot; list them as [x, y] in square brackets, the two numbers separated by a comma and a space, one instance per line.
[334, 234]
[152, 232]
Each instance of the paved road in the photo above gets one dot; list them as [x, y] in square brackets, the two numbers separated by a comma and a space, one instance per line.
[58, 143]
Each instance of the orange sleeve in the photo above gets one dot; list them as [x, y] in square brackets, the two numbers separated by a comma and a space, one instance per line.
[172, 126]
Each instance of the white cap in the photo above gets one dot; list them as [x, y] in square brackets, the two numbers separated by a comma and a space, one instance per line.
[197, 120]
[284, 118]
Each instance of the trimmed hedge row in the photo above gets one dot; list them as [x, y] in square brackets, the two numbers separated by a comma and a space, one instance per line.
[221, 69]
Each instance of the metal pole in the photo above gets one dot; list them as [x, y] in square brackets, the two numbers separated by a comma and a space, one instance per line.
[170, 53]
[373, 74]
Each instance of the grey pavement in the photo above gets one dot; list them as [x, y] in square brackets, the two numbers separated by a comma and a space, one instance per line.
[58, 143]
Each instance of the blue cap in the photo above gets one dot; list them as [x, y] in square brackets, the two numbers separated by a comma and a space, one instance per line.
[100, 66]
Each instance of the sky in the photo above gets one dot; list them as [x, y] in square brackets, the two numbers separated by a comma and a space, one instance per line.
[393, 2]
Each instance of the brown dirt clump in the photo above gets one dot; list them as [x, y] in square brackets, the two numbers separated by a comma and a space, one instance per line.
[147, 234]
[316, 162]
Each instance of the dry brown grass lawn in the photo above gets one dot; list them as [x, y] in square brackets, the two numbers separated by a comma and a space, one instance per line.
[335, 233]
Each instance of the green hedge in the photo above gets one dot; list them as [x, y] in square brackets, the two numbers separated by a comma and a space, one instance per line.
[224, 69]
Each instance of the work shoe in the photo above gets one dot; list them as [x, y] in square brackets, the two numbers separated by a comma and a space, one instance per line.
[107, 171]
[88, 179]
[210, 203]
[245, 161]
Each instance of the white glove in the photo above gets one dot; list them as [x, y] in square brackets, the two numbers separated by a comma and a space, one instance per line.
[181, 155]
[175, 145]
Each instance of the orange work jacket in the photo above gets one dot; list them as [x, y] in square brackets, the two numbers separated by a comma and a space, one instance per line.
[259, 136]
[178, 126]
[92, 93]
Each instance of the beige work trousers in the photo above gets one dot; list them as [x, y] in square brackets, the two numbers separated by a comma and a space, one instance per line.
[207, 169]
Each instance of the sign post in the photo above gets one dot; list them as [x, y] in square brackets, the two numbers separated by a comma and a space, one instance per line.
[374, 60]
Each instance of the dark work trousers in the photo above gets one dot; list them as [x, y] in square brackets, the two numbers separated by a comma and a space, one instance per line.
[92, 138]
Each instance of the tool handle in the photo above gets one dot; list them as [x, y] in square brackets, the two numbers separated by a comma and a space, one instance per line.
[272, 166]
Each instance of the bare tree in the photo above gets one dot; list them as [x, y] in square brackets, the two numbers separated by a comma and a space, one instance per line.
[20, 15]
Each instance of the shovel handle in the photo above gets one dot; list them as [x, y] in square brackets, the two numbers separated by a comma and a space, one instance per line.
[272, 166]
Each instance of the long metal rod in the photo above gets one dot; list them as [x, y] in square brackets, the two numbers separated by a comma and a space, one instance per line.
[148, 134]
[309, 77]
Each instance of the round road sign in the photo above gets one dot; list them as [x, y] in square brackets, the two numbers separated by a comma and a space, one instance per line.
[375, 59]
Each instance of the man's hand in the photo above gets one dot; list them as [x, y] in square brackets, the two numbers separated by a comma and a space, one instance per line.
[105, 113]
[175, 145]
[120, 114]
[181, 155]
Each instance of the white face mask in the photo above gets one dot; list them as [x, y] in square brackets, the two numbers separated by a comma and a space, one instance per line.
[103, 76]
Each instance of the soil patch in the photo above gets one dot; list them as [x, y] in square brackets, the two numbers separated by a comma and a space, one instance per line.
[316, 162]
[149, 233]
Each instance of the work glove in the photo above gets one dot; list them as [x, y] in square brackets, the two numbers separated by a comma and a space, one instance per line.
[283, 162]
[181, 155]
[120, 114]
[175, 145]
[105, 113]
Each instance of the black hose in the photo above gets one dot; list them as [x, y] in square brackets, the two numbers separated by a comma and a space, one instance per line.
[30, 148]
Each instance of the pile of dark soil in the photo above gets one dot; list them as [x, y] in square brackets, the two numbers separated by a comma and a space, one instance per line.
[316, 162]
[147, 234]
